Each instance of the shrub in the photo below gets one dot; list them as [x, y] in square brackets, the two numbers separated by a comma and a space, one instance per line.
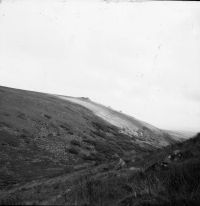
[73, 150]
[75, 142]
[47, 116]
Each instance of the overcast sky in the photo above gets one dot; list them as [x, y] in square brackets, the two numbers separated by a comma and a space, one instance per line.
[141, 58]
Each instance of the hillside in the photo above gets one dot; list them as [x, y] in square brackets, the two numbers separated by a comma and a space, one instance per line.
[169, 176]
[127, 124]
[48, 142]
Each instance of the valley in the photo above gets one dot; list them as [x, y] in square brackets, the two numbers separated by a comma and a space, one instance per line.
[58, 150]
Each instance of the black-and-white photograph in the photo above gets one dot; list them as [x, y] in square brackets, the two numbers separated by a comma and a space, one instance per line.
[100, 102]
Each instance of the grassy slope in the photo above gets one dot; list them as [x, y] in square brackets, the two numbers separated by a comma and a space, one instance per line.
[127, 124]
[50, 146]
[36, 133]
[170, 176]
[42, 137]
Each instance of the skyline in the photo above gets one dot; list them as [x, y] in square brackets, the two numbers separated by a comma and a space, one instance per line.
[142, 59]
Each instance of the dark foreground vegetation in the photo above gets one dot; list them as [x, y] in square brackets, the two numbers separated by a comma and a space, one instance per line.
[172, 178]
[168, 177]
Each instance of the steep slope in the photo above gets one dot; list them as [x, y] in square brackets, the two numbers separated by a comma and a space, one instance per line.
[42, 135]
[127, 124]
[47, 143]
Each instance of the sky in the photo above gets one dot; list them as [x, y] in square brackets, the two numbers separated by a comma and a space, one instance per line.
[140, 58]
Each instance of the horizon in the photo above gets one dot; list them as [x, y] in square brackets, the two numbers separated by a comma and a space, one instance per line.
[192, 132]
[148, 69]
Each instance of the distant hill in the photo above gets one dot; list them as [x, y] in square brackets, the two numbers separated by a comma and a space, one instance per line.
[181, 134]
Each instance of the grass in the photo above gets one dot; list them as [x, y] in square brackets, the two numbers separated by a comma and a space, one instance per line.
[176, 185]
[56, 152]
